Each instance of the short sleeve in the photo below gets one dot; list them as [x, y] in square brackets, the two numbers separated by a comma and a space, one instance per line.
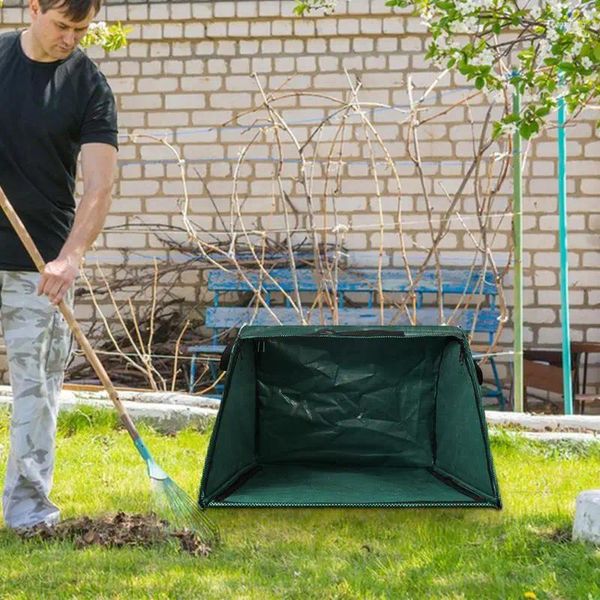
[100, 117]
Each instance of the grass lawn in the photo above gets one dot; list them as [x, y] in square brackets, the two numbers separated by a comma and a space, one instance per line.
[519, 552]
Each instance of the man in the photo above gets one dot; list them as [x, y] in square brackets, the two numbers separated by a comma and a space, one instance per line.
[54, 104]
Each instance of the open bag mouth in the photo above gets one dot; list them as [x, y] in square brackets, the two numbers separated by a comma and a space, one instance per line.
[350, 416]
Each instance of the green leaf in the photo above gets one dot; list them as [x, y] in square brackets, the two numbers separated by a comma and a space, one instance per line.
[300, 8]
[479, 82]
[566, 67]
[524, 130]
[497, 129]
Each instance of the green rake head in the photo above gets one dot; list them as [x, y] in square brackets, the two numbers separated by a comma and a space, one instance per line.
[174, 504]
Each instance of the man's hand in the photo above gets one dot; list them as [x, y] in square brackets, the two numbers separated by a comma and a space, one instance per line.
[58, 277]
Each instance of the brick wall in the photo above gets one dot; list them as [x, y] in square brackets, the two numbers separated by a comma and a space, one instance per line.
[188, 68]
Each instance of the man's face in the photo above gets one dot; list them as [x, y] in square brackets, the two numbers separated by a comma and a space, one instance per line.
[57, 35]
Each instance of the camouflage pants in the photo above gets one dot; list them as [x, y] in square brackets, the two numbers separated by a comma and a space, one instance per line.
[38, 344]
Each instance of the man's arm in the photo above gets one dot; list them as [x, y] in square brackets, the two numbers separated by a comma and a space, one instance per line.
[98, 164]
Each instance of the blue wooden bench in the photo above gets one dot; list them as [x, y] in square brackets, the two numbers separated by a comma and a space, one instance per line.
[357, 302]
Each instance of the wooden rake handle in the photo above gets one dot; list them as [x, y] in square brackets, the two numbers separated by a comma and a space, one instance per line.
[67, 313]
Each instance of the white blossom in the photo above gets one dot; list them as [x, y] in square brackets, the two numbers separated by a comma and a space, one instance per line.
[586, 62]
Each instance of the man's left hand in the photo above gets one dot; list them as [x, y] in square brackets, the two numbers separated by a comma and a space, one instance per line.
[58, 277]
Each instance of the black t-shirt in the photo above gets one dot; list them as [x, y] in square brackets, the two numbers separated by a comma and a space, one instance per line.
[47, 111]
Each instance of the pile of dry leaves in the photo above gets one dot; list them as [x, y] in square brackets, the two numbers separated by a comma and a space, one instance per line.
[117, 531]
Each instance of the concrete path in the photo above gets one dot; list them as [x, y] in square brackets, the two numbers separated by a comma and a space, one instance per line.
[165, 411]
[169, 411]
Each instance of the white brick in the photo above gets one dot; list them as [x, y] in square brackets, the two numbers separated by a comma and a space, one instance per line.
[282, 28]
[183, 101]
[224, 9]
[138, 13]
[271, 47]
[371, 26]
[180, 12]
[393, 25]
[173, 30]
[154, 67]
[240, 65]
[591, 187]
[230, 100]
[130, 68]
[294, 46]
[238, 29]
[216, 65]
[316, 46]
[304, 27]
[328, 63]
[240, 83]
[159, 12]
[126, 206]
[140, 101]
[226, 48]
[152, 32]
[269, 8]
[12, 15]
[203, 10]
[553, 297]
[180, 48]
[362, 44]
[591, 259]
[138, 188]
[211, 117]
[131, 119]
[261, 65]
[389, 44]
[216, 29]
[548, 186]
[306, 64]
[348, 26]
[260, 29]
[592, 149]
[249, 47]
[540, 241]
[249, 8]
[201, 84]
[122, 85]
[174, 67]
[582, 167]
[157, 84]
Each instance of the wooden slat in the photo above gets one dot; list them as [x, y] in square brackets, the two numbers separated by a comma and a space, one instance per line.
[454, 281]
[207, 348]
[232, 317]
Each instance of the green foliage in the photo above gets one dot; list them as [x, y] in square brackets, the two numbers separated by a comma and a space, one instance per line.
[87, 418]
[546, 50]
[110, 37]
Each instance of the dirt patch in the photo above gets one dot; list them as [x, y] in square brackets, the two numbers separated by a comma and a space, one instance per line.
[558, 535]
[118, 531]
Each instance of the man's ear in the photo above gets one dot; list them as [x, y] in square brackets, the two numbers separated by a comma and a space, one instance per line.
[34, 8]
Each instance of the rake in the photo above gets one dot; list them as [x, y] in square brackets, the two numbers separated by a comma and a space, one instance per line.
[181, 511]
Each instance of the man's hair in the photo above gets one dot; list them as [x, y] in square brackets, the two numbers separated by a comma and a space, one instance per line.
[76, 10]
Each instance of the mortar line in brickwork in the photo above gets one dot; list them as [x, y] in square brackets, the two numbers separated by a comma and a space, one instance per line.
[379, 161]
[340, 228]
[405, 108]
